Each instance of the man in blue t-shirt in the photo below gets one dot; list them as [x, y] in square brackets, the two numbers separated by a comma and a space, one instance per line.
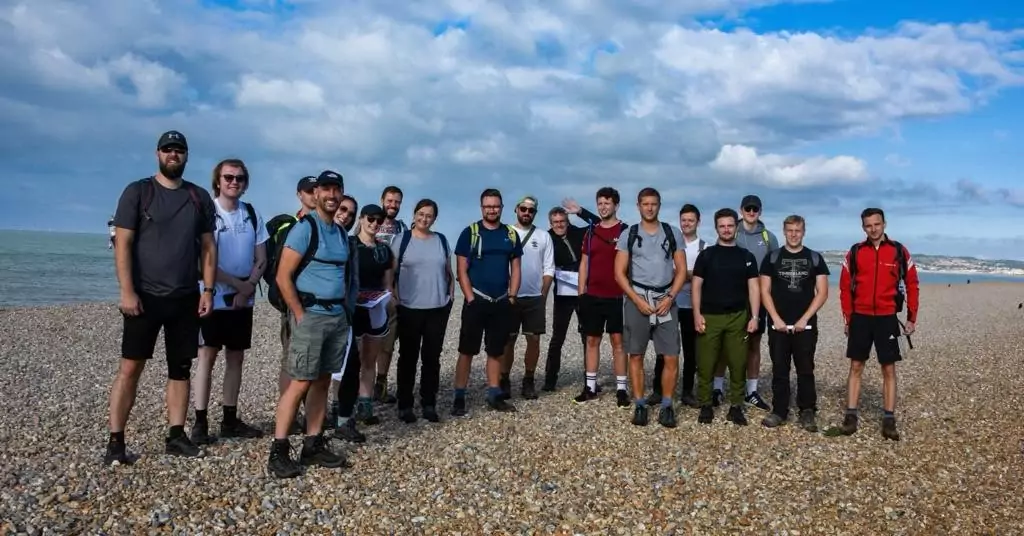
[320, 300]
[488, 254]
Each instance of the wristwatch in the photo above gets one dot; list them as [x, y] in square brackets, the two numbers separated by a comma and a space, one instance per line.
[211, 290]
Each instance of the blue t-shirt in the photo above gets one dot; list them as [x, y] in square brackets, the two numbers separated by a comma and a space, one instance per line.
[490, 273]
[325, 280]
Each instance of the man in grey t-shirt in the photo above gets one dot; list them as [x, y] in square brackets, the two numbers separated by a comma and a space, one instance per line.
[650, 267]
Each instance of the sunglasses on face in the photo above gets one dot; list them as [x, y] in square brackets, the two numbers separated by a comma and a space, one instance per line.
[175, 150]
[527, 210]
[343, 209]
[375, 219]
[234, 178]
[752, 209]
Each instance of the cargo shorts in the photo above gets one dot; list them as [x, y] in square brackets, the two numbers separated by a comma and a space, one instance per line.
[317, 346]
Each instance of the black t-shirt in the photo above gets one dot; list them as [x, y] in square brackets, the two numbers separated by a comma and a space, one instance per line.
[165, 253]
[793, 278]
[373, 262]
[725, 271]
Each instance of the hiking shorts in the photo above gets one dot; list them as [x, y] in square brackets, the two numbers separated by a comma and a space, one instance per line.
[598, 316]
[529, 315]
[484, 322]
[230, 329]
[179, 318]
[363, 324]
[637, 332]
[881, 331]
[318, 345]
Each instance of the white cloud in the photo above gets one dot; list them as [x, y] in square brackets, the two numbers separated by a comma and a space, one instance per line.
[297, 95]
[789, 171]
[896, 160]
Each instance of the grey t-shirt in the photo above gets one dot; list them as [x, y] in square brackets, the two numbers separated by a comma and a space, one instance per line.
[650, 267]
[423, 280]
[165, 254]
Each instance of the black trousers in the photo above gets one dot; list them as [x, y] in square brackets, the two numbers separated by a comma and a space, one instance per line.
[565, 306]
[348, 387]
[689, 336]
[797, 349]
[420, 340]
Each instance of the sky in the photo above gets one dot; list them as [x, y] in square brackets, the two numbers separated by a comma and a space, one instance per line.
[822, 108]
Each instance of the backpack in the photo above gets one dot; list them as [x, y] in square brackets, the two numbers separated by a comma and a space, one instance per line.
[476, 244]
[250, 216]
[776, 254]
[278, 228]
[149, 192]
[589, 240]
[406, 238]
[901, 267]
[669, 245]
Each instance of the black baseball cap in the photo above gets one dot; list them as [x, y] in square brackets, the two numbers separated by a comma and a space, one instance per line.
[330, 177]
[751, 201]
[306, 184]
[371, 210]
[172, 137]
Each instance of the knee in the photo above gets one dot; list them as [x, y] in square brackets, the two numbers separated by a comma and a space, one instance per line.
[179, 370]
[888, 371]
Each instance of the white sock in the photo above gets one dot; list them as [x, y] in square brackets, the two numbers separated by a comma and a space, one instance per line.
[719, 383]
[751, 386]
[620, 383]
[592, 381]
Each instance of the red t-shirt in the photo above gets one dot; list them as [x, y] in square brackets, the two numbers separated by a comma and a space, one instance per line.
[599, 244]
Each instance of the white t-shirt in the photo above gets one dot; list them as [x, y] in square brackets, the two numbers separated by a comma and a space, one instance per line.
[684, 299]
[538, 261]
[236, 248]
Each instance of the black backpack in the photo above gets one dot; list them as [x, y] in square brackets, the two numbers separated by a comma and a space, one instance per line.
[668, 245]
[901, 266]
[147, 195]
[278, 228]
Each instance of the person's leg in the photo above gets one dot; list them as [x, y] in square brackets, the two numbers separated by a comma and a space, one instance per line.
[436, 325]
[888, 355]
[860, 338]
[286, 335]
[562, 314]
[688, 337]
[592, 319]
[709, 347]
[385, 350]
[615, 329]
[735, 331]
[211, 342]
[659, 365]
[471, 333]
[534, 326]
[348, 393]
[804, 347]
[667, 342]
[181, 339]
[780, 346]
[369, 345]
[508, 356]
[753, 397]
[411, 326]
[237, 339]
[138, 339]
[496, 334]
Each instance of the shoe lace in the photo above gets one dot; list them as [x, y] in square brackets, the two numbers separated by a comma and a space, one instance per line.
[286, 454]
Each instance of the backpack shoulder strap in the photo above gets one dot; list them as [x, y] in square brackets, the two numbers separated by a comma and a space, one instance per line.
[314, 244]
[474, 240]
[444, 244]
[764, 235]
[670, 239]
[252, 216]
[403, 245]
[701, 245]
[146, 196]
[901, 260]
[528, 234]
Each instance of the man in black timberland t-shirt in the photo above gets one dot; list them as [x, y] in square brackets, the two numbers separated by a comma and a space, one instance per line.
[794, 286]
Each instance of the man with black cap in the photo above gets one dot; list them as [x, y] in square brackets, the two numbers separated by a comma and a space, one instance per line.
[755, 238]
[163, 227]
[318, 280]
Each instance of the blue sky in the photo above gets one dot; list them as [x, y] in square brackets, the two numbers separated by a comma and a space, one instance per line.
[821, 108]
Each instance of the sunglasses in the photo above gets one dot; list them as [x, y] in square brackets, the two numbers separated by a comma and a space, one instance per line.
[343, 209]
[175, 150]
[234, 178]
[375, 219]
[751, 208]
[527, 210]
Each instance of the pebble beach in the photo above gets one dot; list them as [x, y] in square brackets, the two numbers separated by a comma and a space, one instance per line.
[551, 468]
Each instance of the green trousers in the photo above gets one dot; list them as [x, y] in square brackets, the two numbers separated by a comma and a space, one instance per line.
[725, 336]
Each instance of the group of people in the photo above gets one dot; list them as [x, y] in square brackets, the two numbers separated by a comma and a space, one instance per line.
[349, 283]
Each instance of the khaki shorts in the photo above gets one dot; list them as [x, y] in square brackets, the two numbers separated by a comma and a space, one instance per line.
[317, 346]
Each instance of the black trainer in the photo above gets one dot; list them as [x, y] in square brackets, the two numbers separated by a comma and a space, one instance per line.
[315, 451]
[430, 414]
[459, 407]
[181, 446]
[717, 397]
[498, 404]
[736, 416]
[849, 426]
[380, 393]
[280, 462]
[640, 415]
[407, 415]
[116, 452]
[622, 399]
[200, 434]
[585, 396]
[529, 392]
[506, 387]
[364, 414]
[667, 417]
[889, 429]
[707, 415]
[807, 420]
[754, 399]
[348, 432]
[239, 429]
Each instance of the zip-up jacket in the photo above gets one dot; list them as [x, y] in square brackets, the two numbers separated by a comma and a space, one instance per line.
[877, 275]
[569, 247]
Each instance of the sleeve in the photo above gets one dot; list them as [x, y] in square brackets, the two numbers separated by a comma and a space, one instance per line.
[209, 211]
[845, 300]
[549, 257]
[677, 235]
[261, 228]
[127, 214]
[517, 246]
[623, 241]
[588, 216]
[298, 238]
[822, 267]
[766, 265]
[752, 271]
[773, 241]
[913, 290]
[462, 245]
[700, 264]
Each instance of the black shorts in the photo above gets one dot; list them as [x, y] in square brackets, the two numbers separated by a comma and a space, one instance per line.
[598, 316]
[230, 329]
[529, 315]
[484, 322]
[361, 325]
[881, 331]
[179, 318]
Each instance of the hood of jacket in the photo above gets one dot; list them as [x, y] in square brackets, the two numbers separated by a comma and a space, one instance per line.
[754, 240]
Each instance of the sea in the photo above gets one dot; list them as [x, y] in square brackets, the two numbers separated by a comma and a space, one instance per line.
[53, 268]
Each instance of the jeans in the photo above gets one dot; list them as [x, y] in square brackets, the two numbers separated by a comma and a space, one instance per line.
[797, 349]
[420, 339]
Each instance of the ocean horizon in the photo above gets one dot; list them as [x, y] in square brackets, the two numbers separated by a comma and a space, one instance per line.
[39, 268]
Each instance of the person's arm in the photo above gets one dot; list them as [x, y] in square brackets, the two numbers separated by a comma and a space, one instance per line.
[389, 274]
[845, 283]
[681, 272]
[588, 216]
[753, 292]
[549, 268]
[352, 297]
[125, 222]
[820, 295]
[767, 272]
[913, 291]
[622, 277]
[515, 272]
[462, 253]
[582, 275]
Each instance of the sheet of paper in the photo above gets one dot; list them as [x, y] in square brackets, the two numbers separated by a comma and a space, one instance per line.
[372, 298]
[567, 283]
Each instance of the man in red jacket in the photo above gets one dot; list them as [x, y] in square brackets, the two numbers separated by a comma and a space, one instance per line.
[871, 296]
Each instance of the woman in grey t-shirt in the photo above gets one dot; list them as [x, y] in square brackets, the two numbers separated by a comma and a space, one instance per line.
[424, 288]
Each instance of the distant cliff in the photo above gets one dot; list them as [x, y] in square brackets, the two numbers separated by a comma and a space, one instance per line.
[947, 264]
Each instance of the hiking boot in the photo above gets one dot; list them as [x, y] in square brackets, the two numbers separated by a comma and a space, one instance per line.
[528, 391]
[808, 421]
[707, 415]
[430, 414]
[459, 407]
[506, 387]
[550, 384]
[200, 434]
[773, 420]
[348, 432]
[640, 415]
[380, 393]
[316, 451]
[689, 400]
[717, 397]
[280, 463]
[364, 414]
[499, 404]
[667, 417]
[407, 415]
[889, 429]
[239, 429]
[736, 416]
[585, 396]
[754, 399]
[849, 426]
[116, 452]
[622, 399]
[181, 446]
[654, 398]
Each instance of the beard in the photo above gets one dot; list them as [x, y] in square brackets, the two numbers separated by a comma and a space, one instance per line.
[172, 170]
[390, 213]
